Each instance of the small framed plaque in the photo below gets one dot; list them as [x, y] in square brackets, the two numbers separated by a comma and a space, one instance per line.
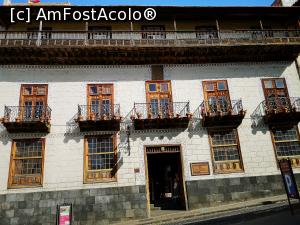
[200, 168]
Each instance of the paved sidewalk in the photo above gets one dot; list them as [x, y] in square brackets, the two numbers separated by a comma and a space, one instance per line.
[217, 214]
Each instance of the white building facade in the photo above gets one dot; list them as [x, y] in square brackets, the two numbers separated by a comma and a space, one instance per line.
[116, 140]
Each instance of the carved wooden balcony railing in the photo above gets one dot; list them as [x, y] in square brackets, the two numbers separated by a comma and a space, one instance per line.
[99, 117]
[279, 110]
[223, 113]
[146, 38]
[27, 119]
[161, 116]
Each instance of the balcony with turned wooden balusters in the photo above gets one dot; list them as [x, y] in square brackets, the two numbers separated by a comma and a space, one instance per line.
[27, 119]
[134, 47]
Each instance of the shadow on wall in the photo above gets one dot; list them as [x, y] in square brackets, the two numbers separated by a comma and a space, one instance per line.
[118, 164]
[259, 128]
[72, 131]
[4, 136]
[195, 128]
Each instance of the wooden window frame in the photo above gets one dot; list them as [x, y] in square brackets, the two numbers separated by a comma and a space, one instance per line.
[207, 94]
[159, 95]
[267, 100]
[23, 86]
[102, 97]
[226, 161]
[292, 157]
[33, 97]
[12, 165]
[86, 180]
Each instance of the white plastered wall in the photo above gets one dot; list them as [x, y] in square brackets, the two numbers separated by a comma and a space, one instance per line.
[67, 89]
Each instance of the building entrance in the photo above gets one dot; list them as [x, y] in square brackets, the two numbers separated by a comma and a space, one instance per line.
[165, 178]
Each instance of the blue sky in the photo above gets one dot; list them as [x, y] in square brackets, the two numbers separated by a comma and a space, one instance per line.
[164, 2]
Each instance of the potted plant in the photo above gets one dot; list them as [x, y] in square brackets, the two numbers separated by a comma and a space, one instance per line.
[80, 118]
[104, 117]
[18, 119]
[139, 116]
[189, 115]
[93, 116]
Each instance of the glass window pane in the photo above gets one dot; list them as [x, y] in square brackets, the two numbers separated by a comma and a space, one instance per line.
[93, 90]
[286, 141]
[154, 107]
[224, 137]
[106, 107]
[101, 153]
[285, 134]
[41, 91]
[268, 83]
[27, 91]
[106, 90]
[279, 83]
[164, 87]
[209, 87]
[226, 153]
[152, 87]
[222, 85]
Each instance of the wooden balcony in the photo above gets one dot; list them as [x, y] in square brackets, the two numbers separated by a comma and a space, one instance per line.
[175, 115]
[27, 119]
[221, 113]
[99, 117]
[277, 111]
[135, 47]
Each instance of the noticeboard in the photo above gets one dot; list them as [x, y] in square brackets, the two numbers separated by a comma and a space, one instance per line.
[64, 214]
[288, 179]
[200, 168]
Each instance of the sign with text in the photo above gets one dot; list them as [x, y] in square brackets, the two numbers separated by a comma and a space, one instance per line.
[64, 214]
[288, 178]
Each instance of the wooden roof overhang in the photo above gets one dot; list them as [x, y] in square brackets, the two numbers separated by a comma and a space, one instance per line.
[118, 55]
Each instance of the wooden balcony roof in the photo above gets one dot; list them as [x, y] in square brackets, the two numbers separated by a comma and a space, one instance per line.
[128, 48]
